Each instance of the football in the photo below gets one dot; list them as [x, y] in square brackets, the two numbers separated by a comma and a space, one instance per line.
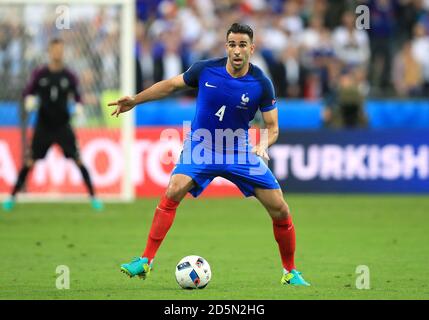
[193, 272]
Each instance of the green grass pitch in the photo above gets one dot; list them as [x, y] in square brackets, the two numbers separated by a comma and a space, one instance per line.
[335, 234]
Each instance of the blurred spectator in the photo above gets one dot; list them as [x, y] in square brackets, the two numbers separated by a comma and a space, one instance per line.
[275, 37]
[382, 13]
[348, 111]
[332, 10]
[420, 50]
[315, 41]
[11, 56]
[169, 59]
[291, 22]
[317, 57]
[144, 63]
[424, 20]
[146, 9]
[190, 24]
[350, 44]
[294, 72]
[406, 73]
[408, 12]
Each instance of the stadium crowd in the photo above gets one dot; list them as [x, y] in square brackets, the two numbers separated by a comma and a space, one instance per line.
[311, 49]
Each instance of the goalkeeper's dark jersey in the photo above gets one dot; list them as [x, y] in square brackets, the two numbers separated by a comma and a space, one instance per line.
[53, 90]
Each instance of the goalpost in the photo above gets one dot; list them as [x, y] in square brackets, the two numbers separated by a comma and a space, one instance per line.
[99, 39]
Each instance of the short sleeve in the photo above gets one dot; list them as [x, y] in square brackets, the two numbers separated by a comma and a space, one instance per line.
[268, 97]
[192, 75]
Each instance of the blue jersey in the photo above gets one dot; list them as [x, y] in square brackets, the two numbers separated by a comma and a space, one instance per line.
[225, 103]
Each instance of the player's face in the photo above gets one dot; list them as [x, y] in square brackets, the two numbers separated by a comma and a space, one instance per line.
[56, 52]
[239, 49]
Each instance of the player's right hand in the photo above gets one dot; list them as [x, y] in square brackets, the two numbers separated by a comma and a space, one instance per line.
[124, 104]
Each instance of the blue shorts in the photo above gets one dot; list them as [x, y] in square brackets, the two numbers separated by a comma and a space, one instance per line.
[247, 172]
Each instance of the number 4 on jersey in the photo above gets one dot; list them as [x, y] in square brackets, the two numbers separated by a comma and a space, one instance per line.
[220, 113]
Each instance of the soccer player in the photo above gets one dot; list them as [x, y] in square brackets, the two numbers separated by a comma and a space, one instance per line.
[231, 90]
[52, 84]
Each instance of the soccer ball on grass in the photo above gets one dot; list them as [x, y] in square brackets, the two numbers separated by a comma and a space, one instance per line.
[193, 272]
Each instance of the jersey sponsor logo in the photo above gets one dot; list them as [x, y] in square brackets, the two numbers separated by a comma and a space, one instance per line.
[209, 85]
[363, 162]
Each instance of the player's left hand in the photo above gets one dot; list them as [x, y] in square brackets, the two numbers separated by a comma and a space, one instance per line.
[30, 103]
[261, 152]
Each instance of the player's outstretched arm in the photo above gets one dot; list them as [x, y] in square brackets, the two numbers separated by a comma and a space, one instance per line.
[271, 121]
[157, 91]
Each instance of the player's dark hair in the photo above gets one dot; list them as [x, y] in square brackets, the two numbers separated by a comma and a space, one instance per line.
[240, 28]
[55, 41]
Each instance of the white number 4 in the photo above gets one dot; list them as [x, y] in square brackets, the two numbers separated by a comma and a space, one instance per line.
[220, 113]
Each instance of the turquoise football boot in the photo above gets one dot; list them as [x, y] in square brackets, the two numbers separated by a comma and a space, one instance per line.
[293, 278]
[8, 204]
[137, 267]
[96, 204]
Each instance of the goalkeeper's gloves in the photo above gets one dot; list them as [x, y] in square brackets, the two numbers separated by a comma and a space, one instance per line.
[79, 112]
[30, 103]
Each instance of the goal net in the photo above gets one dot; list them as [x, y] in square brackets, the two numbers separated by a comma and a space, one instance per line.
[99, 48]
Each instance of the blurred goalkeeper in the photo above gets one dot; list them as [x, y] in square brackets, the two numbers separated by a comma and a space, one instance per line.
[52, 85]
